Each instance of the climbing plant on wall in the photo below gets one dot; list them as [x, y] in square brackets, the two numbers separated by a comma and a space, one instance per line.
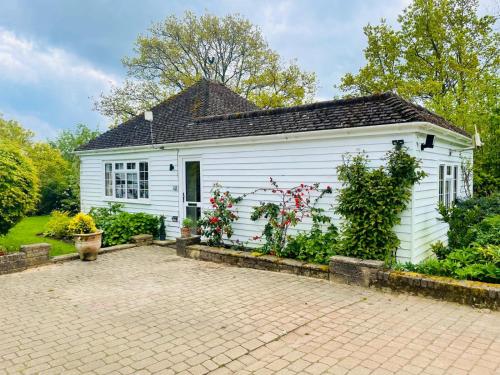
[289, 208]
[371, 202]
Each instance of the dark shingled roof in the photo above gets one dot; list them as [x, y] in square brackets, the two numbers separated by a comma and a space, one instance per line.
[209, 110]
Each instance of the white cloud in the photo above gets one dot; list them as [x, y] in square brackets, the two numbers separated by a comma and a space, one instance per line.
[26, 61]
[42, 129]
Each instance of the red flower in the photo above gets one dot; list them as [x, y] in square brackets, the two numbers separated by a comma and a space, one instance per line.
[218, 229]
[230, 205]
[214, 220]
[212, 200]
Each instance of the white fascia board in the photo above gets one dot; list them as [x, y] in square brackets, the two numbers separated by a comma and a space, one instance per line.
[400, 128]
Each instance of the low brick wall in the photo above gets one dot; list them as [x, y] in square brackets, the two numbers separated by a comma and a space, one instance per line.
[28, 256]
[367, 273]
[36, 254]
[354, 271]
[142, 239]
[187, 249]
[466, 292]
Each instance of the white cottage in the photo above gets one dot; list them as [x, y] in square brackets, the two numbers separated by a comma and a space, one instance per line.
[208, 134]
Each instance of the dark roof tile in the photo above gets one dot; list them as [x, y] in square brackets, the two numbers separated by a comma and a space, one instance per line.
[209, 110]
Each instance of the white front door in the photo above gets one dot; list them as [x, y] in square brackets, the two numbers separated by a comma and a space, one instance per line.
[191, 192]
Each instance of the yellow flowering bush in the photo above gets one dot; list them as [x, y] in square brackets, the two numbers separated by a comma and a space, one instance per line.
[82, 224]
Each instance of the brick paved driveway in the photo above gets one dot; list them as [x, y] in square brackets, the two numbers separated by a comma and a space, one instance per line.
[147, 311]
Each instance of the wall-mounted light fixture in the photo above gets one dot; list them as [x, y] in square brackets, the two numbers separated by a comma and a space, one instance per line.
[171, 168]
[429, 142]
[398, 143]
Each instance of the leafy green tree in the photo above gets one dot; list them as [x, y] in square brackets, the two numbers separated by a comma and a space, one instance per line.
[18, 186]
[437, 57]
[70, 139]
[12, 132]
[67, 142]
[179, 51]
[444, 56]
[53, 172]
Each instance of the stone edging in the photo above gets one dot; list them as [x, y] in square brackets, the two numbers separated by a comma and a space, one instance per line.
[104, 250]
[466, 292]
[354, 271]
[28, 256]
[260, 262]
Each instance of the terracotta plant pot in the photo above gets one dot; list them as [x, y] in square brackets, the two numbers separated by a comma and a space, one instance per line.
[185, 232]
[88, 245]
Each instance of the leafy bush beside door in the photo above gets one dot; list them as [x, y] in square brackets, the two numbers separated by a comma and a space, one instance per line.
[119, 226]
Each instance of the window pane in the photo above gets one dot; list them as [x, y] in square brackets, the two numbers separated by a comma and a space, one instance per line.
[144, 190]
[441, 183]
[132, 185]
[108, 179]
[193, 212]
[118, 165]
[120, 185]
[130, 166]
[193, 193]
[448, 193]
[143, 180]
[448, 170]
[455, 182]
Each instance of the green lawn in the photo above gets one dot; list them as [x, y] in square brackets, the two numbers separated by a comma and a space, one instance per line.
[25, 233]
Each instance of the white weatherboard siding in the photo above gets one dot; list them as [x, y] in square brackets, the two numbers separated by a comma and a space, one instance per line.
[247, 165]
[426, 224]
[163, 200]
[244, 168]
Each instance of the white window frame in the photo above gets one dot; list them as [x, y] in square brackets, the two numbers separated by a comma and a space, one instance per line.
[448, 184]
[136, 171]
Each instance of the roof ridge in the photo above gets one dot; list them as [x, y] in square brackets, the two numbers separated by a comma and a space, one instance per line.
[296, 108]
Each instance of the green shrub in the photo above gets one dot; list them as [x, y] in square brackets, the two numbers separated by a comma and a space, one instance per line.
[481, 263]
[371, 202]
[119, 226]
[488, 231]
[465, 215]
[315, 246]
[440, 250]
[57, 226]
[187, 222]
[82, 224]
[18, 187]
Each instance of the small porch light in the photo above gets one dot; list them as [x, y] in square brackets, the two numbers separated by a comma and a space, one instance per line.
[398, 143]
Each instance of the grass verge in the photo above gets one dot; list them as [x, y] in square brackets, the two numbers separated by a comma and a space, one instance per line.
[25, 233]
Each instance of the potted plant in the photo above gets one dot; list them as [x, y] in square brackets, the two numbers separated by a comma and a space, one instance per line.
[87, 236]
[187, 225]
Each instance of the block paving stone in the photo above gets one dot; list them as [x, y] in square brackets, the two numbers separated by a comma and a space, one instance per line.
[147, 311]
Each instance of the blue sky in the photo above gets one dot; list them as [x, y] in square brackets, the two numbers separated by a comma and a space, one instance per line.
[57, 55]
